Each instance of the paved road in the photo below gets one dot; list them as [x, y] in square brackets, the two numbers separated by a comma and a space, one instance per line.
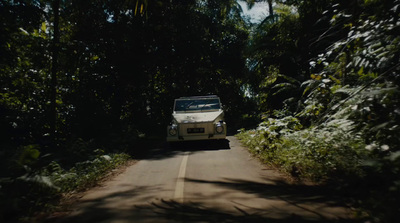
[203, 182]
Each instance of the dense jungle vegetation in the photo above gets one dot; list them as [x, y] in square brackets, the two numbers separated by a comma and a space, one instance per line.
[85, 84]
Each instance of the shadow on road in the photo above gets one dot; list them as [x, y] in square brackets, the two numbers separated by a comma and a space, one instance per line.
[292, 193]
[162, 210]
[221, 144]
[226, 200]
[164, 150]
[197, 212]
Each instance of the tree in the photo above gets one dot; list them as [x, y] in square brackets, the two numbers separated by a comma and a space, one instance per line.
[54, 69]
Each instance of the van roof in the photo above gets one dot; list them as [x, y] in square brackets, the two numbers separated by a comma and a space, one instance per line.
[194, 97]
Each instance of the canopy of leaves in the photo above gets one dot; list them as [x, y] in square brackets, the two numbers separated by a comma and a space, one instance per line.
[331, 65]
[335, 66]
[119, 65]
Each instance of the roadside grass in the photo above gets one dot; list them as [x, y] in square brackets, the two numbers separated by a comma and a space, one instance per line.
[41, 190]
[33, 184]
[307, 154]
[331, 154]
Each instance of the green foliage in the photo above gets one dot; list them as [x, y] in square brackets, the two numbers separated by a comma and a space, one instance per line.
[24, 196]
[40, 190]
[348, 64]
[336, 153]
[119, 65]
[328, 152]
[277, 90]
[320, 153]
[267, 138]
[359, 81]
[29, 155]
[83, 174]
[327, 66]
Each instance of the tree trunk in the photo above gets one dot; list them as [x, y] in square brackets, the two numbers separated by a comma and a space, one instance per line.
[54, 69]
[270, 8]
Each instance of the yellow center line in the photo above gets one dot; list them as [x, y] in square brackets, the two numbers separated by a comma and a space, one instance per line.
[180, 183]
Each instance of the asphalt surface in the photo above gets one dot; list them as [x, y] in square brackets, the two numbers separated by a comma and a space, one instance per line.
[205, 182]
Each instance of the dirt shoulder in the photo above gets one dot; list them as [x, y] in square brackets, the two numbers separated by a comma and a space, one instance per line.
[69, 200]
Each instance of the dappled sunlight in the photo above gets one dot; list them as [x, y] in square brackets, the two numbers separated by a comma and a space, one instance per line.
[165, 210]
[277, 198]
[145, 193]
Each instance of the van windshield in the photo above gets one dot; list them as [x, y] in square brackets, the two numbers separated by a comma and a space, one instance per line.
[197, 105]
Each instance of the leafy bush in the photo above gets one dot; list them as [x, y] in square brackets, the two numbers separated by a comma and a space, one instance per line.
[334, 152]
[350, 105]
[32, 189]
[313, 153]
[83, 174]
[329, 151]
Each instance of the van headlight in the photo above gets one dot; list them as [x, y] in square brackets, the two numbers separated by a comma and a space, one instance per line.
[219, 128]
[173, 130]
